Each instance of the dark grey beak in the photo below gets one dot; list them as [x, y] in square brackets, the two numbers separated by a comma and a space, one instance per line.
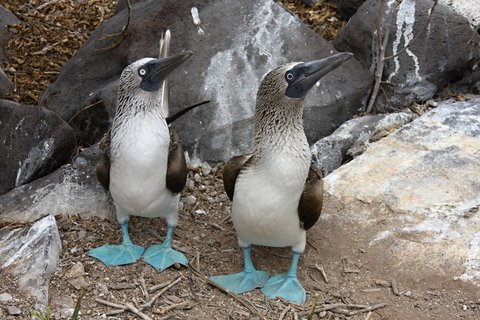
[157, 70]
[305, 75]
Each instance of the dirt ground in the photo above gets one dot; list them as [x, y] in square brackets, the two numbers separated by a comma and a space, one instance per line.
[356, 277]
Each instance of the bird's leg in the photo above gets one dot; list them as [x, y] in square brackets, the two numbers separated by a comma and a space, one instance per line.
[162, 256]
[120, 254]
[286, 285]
[244, 281]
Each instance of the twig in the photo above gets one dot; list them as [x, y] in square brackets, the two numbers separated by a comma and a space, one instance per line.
[322, 271]
[173, 306]
[403, 49]
[83, 109]
[368, 309]
[382, 47]
[312, 245]
[155, 297]
[111, 304]
[284, 312]
[158, 286]
[132, 309]
[395, 287]
[197, 261]
[122, 33]
[369, 314]
[216, 226]
[241, 300]
[143, 286]
[114, 312]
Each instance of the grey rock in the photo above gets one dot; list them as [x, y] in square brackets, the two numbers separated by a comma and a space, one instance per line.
[75, 276]
[5, 297]
[71, 189]
[468, 9]
[6, 85]
[14, 311]
[35, 141]
[206, 169]
[423, 182]
[190, 200]
[227, 73]
[31, 254]
[331, 152]
[443, 53]
[6, 18]
[347, 8]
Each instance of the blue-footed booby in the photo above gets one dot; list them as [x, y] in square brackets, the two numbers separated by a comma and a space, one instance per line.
[276, 194]
[143, 164]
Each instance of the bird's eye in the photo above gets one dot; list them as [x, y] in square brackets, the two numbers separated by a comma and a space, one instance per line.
[289, 76]
[142, 72]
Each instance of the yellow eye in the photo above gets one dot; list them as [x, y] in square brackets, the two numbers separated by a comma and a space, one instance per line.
[142, 72]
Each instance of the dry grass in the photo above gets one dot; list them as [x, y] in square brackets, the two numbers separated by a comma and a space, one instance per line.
[49, 35]
[321, 17]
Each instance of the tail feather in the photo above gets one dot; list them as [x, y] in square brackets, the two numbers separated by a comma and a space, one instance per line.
[164, 52]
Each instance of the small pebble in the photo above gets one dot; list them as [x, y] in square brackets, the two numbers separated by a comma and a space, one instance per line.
[200, 211]
[197, 177]
[190, 200]
[383, 283]
[190, 185]
[322, 314]
[408, 293]
[4, 297]
[13, 311]
[206, 169]
[465, 308]
[82, 234]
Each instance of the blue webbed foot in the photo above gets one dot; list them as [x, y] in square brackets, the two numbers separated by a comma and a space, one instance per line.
[244, 281]
[241, 282]
[116, 255]
[284, 286]
[163, 256]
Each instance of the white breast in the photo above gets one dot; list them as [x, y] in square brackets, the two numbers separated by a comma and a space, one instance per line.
[265, 203]
[139, 166]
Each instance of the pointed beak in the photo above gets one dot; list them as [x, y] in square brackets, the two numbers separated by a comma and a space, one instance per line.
[308, 73]
[159, 69]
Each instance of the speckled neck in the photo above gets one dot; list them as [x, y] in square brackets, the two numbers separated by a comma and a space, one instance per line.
[279, 125]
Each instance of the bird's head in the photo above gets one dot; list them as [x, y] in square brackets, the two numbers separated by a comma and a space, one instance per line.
[147, 74]
[294, 80]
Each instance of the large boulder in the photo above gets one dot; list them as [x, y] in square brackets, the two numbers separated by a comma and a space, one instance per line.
[35, 142]
[415, 195]
[442, 53]
[69, 190]
[31, 254]
[353, 137]
[234, 45]
[347, 8]
[6, 18]
[469, 9]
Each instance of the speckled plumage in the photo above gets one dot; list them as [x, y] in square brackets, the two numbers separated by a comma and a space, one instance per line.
[269, 183]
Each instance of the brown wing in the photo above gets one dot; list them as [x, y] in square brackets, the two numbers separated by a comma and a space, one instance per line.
[230, 172]
[310, 205]
[103, 167]
[176, 166]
